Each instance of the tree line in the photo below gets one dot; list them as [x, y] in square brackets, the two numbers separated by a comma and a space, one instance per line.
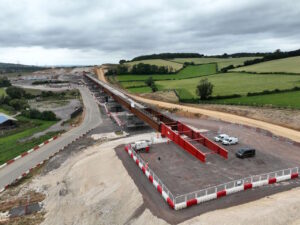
[17, 68]
[278, 54]
[168, 56]
[140, 68]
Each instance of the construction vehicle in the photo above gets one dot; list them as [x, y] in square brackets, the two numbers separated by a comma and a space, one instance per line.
[141, 145]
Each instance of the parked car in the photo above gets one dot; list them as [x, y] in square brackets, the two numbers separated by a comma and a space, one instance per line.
[230, 141]
[221, 137]
[245, 153]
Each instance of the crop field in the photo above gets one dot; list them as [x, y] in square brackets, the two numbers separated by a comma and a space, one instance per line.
[287, 99]
[12, 144]
[188, 72]
[287, 65]
[221, 62]
[235, 83]
[158, 62]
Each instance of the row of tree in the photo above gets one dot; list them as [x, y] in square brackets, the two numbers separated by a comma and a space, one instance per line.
[140, 68]
[265, 56]
[272, 56]
[36, 114]
[168, 56]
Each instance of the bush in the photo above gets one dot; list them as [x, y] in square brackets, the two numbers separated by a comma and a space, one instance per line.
[4, 100]
[15, 92]
[4, 82]
[149, 82]
[36, 114]
[154, 88]
[18, 104]
[48, 115]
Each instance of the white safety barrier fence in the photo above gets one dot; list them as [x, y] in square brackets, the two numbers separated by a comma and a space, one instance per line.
[218, 191]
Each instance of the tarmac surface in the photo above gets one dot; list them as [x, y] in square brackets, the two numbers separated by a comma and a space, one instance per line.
[156, 204]
[183, 173]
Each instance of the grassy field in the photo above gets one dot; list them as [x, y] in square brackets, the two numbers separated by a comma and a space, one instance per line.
[2, 91]
[188, 72]
[235, 83]
[139, 90]
[158, 62]
[287, 65]
[132, 84]
[287, 99]
[11, 143]
[221, 62]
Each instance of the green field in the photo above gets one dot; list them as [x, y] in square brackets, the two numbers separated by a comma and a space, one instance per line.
[132, 84]
[287, 65]
[2, 91]
[11, 143]
[235, 83]
[188, 72]
[222, 62]
[287, 99]
[158, 62]
[139, 90]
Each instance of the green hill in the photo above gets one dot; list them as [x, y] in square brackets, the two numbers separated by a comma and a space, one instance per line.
[286, 65]
[222, 62]
[234, 83]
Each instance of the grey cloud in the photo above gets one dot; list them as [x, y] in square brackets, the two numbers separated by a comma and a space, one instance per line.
[126, 28]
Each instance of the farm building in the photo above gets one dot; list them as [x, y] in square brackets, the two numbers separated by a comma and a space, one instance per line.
[6, 121]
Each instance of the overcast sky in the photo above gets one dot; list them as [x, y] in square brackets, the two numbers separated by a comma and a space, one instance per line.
[69, 32]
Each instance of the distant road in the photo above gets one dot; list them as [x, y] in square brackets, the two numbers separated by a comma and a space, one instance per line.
[275, 129]
[91, 120]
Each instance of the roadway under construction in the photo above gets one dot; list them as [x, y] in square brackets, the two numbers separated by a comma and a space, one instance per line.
[187, 138]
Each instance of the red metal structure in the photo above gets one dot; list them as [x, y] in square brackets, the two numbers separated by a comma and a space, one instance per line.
[190, 140]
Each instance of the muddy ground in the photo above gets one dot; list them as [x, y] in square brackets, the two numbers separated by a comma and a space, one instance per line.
[284, 117]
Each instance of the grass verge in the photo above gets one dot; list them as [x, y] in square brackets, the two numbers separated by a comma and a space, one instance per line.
[13, 143]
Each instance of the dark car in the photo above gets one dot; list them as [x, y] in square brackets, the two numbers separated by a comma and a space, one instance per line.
[245, 153]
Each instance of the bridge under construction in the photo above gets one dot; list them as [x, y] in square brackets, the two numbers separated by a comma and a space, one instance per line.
[183, 135]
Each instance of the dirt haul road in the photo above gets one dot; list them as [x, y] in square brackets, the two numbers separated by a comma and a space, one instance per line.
[275, 129]
[93, 187]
